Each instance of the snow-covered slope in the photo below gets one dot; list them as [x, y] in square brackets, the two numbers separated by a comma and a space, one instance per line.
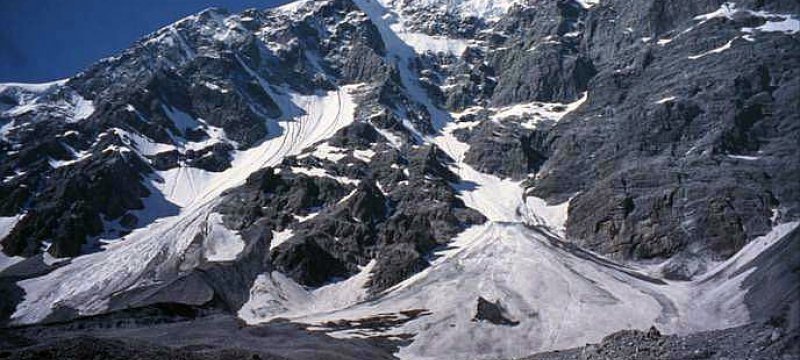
[158, 253]
[489, 10]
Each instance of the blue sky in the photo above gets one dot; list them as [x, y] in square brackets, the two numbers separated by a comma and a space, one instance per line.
[44, 40]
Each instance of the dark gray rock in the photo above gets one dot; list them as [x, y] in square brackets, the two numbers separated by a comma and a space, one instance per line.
[70, 208]
[492, 312]
[654, 177]
[540, 60]
[194, 334]
[754, 341]
[505, 148]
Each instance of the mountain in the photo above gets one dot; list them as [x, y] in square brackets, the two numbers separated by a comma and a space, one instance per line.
[422, 179]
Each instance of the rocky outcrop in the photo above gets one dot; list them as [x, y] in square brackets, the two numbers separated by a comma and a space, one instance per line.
[492, 312]
[396, 224]
[757, 341]
[71, 208]
[505, 148]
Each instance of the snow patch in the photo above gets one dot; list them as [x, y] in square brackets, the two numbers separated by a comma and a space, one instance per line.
[665, 100]
[588, 4]
[787, 24]
[744, 157]
[726, 10]
[364, 155]
[280, 237]
[275, 295]
[714, 51]
[317, 172]
[538, 212]
[6, 225]
[221, 243]
[539, 111]
[424, 43]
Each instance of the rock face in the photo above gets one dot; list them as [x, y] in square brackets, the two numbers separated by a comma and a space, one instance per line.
[690, 164]
[505, 148]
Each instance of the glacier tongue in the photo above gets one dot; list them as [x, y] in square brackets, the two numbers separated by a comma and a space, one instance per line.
[560, 296]
[158, 253]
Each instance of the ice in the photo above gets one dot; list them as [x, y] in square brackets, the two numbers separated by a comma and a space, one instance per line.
[537, 212]
[561, 297]
[536, 282]
[49, 260]
[275, 295]
[221, 243]
[183, 184]
[495, 198]
[719, 294]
